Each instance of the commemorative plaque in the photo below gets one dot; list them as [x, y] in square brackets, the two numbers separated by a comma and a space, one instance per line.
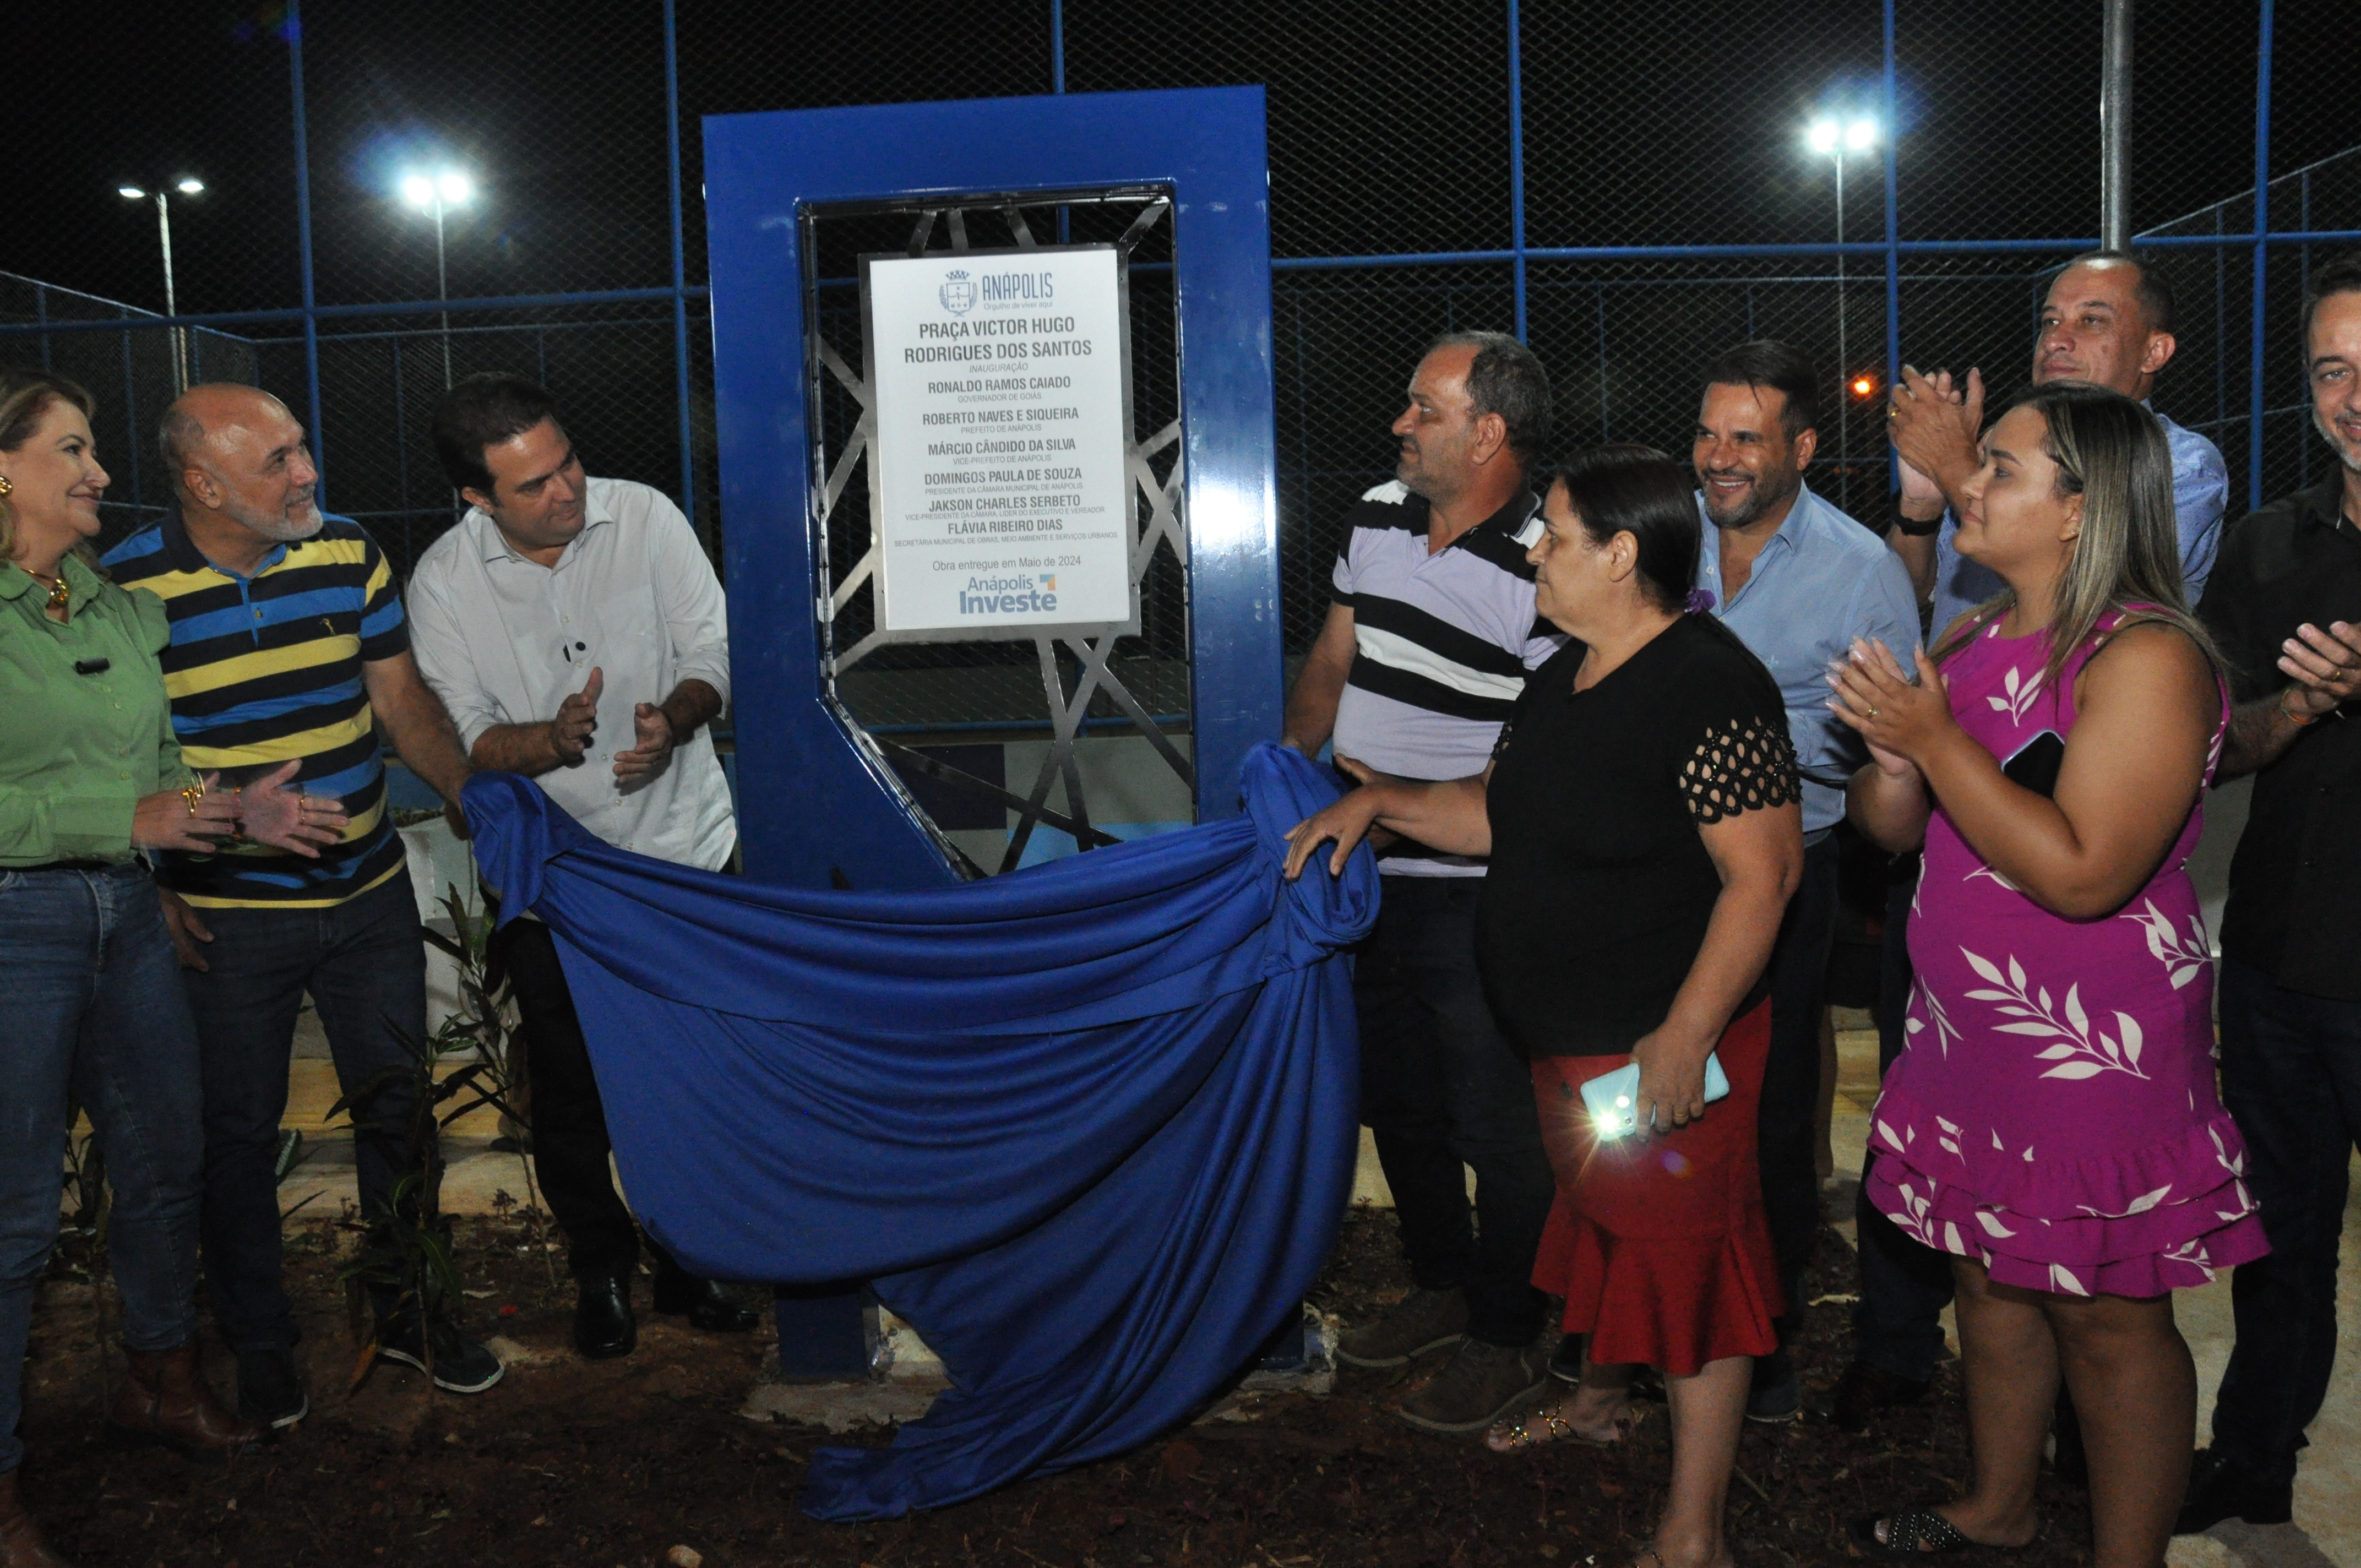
[1001, 492]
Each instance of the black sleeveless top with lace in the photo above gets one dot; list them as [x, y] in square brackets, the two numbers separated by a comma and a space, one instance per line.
[1600, 888]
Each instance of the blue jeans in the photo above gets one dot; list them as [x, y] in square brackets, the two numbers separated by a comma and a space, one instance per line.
[364, 968]
[2291, 1079]
[95, 1012]
[1441, 1085]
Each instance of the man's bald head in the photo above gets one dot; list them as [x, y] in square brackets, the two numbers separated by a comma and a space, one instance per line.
[236, 451]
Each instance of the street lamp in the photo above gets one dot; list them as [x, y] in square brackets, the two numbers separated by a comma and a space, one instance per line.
[1830, 136]
[187, 185]
[435, 193]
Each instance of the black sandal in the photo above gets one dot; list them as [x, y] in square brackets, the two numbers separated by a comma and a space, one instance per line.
[1912, 1533]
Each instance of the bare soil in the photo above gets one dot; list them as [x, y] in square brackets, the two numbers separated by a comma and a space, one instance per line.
[619, 1462]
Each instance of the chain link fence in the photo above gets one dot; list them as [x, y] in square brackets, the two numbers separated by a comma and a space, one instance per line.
[1631, 196]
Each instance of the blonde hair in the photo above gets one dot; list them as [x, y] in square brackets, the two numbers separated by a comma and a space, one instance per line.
[2111, 451]
[24, 400]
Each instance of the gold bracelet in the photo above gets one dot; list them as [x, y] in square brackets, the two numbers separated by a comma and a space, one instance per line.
[2298, 721]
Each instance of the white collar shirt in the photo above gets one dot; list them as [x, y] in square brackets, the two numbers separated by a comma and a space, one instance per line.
[503, 639]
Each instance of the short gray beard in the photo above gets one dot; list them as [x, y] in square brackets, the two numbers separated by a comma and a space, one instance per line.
[276, 525]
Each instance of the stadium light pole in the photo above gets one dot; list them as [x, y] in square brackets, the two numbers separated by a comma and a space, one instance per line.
[1830, 136]
[187, 185]
[437, 193]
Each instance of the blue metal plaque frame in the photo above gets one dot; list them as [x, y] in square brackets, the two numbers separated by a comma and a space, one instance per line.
[813, 805]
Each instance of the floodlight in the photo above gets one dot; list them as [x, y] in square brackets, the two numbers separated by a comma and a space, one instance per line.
[131, 192]
[1822, 134]
[418, 190]
[190, 186]
[456, 187]
[1860, 135]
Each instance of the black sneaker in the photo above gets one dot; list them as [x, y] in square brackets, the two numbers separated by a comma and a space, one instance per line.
[270, 1389]
[461, 1366]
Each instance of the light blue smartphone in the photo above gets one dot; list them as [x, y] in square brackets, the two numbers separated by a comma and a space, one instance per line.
[1611, 1097]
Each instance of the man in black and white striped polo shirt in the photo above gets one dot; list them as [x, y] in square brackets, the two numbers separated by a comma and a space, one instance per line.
[1423, 655]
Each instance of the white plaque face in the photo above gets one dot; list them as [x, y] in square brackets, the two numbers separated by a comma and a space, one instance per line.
[1001, 499]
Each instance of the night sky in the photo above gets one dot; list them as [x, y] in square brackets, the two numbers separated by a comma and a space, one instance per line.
[1660, 123]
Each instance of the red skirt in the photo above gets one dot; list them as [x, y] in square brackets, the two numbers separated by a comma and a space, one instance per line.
[1659, 1245]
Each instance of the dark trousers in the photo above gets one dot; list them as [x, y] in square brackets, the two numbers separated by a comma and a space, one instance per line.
[1791, 1076]
[2292, 1078]
[364, 968]
[1440, 1087]
[569, 1120]
[1897, 1324]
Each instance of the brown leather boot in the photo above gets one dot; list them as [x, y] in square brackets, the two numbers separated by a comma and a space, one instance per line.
[21, 1545]
[163, 1398]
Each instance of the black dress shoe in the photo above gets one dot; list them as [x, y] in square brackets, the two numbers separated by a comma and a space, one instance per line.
[1861, 1393]
[603, 1327]
[2220, 1489]
[708, 1305]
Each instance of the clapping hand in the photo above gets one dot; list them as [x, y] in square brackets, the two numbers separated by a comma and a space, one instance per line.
[198, 820]
[270, 813]
[1901, 720]
[653, 741]
[1933, 425]
[576, 721]
[2325, 665]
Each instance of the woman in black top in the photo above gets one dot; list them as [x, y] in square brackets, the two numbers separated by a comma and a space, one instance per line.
[1642, 821]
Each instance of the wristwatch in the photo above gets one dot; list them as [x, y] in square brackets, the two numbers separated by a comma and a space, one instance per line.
[1916, 528]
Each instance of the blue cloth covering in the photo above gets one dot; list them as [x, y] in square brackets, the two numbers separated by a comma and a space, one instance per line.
[1089, 1127]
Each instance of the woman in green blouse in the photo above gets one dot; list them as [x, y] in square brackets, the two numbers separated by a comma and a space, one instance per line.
[91, 777]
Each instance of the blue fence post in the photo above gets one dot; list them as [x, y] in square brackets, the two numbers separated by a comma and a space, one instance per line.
[2262, 228]
[303, 243]
[130, 414]
[1886, 111]
[679, 266]
[1057, 46]
[1517, 159]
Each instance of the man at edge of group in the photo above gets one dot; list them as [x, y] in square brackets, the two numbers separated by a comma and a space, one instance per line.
[1425, 653]
[2108, 320]
[1799, 582]
[287, 642]
[577, 632]
[2286, 604]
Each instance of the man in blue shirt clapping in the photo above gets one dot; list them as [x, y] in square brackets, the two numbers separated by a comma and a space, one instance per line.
[1798, 581]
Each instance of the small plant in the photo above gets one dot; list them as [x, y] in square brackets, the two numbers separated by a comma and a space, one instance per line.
[409, 1252]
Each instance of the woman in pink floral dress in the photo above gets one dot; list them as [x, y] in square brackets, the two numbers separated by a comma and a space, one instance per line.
[2053, 1124]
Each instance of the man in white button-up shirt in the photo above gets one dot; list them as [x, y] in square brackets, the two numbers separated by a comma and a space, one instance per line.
[575, 631]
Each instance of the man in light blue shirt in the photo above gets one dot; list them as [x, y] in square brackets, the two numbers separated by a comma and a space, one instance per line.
[1798, 581]
[2107, 320]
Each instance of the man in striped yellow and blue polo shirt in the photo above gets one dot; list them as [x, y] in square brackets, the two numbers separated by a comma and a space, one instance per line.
[289, 642]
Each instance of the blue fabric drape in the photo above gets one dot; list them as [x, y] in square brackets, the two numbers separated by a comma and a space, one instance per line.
[1088, 1128]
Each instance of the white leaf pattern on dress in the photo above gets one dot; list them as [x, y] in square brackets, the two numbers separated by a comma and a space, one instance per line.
[2063, 1279]
[2082, 1051]
[2183, 957]
[2019, 699]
